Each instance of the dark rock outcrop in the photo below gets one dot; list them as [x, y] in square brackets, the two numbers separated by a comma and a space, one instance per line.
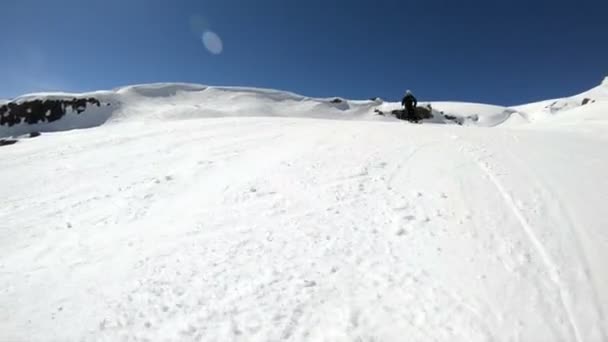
[13, 140]
[460, 120]
[586, 100]
[426, 112]
[38, 110]
[336, 101]
[6, 142]
[422, 113]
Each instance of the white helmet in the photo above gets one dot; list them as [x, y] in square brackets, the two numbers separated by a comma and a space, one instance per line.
[408, 92]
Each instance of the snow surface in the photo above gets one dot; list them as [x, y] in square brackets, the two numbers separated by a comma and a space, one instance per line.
[181, 101]
[193, 213]
[543, 110]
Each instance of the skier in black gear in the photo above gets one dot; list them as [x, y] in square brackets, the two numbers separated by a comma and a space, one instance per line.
[410, 103]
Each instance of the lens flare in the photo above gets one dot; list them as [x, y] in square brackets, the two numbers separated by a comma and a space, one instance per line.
[213, 42]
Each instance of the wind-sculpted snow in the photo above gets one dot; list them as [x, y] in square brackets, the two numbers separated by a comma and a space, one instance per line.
[166, 102]
[177, 101]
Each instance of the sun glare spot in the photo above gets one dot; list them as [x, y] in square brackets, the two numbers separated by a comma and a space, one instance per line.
[213, 42]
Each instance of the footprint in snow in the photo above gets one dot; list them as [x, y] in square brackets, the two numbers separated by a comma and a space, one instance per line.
[402, 232]
[310, 283]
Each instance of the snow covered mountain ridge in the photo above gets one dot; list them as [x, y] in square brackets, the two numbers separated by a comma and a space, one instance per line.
[174, 101]
[165, 102]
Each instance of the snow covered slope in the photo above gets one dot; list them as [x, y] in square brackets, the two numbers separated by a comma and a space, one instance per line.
[547, 109]
[223, 227]
[168, 102]
[176, 101]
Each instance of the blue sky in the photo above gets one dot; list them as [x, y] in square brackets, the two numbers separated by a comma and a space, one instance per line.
[503, 52]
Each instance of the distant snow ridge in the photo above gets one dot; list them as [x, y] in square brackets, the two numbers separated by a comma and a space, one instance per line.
[181, 101]
[546, 110]
[172, 101]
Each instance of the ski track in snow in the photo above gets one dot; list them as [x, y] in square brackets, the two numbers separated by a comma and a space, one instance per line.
[566, 219]
[332, 248]
[552, 268]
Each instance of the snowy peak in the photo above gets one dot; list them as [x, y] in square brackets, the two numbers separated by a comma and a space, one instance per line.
[605, 81]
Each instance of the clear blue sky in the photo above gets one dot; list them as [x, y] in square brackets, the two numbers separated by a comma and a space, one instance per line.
[504, 52]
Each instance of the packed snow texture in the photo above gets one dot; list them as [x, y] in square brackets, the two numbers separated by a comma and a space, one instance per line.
[191, 213]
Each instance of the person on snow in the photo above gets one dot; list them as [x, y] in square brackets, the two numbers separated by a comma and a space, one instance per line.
[410, 103]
